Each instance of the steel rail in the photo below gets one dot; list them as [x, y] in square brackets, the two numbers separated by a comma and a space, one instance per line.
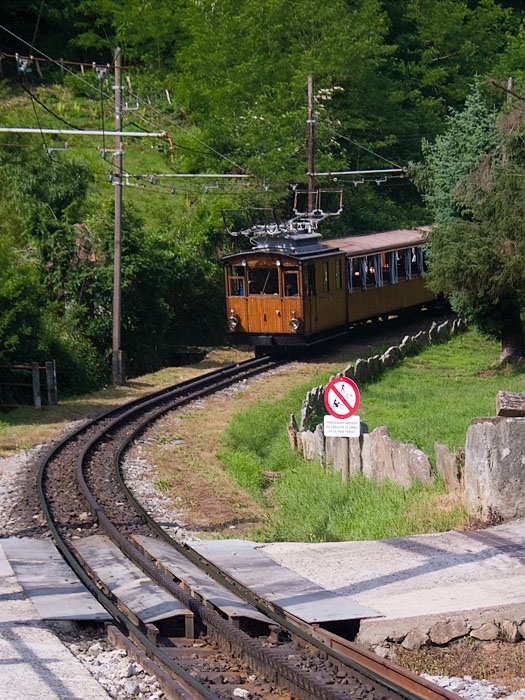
[187, 682]
[260, 657]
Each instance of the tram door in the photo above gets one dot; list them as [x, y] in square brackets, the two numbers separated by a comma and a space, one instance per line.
[265, 305]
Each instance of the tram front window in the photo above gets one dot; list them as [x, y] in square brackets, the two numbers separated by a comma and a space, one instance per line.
[291, 284]
[263, 280]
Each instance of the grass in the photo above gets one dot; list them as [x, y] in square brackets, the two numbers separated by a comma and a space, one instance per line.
[428, 398]
[434, 396]
[24, 427]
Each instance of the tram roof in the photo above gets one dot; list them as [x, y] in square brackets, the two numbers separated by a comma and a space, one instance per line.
[355, 246]
[307, 247]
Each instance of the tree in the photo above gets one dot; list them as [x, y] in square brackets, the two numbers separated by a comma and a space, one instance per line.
[474, 179]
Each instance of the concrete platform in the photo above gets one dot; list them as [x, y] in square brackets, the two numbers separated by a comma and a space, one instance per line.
[35, 664]
[290, 593]
[198, 583]
[415, 582]
[132, 591]
[48, 581]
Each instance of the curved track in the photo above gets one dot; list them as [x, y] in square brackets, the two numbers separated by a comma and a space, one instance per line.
[82, 493]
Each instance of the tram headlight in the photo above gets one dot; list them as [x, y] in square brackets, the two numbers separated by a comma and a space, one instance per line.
[295, 323]
[233, 322]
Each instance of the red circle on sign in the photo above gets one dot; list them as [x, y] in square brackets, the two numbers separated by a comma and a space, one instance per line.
[341, 397]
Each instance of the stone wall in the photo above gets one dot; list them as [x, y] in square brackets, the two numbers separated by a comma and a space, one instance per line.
[365, 370]
[375, 455]
[488, 475]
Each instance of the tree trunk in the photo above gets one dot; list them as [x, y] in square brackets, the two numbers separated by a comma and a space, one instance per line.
[512, 340]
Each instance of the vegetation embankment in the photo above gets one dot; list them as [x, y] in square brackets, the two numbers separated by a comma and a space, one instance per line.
[264, 490]
[431, 397]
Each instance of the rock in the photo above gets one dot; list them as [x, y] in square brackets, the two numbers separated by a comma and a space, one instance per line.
[292, 432]
[374, 366]
[494, 468]
[444, 632]
[509, 631]
[348, 372]
[447, 465]
[415, 639]
[241, 693]
[443, 332]
[420, 341]
[384, 458]
[361, 371]
[486, 633]
[372, 454]
[510, 405]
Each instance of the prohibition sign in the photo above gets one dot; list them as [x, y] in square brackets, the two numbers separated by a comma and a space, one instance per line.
[341, 397]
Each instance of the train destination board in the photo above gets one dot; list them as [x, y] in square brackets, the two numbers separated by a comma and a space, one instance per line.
[341, 397]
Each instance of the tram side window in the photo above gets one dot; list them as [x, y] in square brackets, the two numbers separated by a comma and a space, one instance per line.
[236, 280]
[291, 283]
[338, 273]
[371, 271]
[309, 279]
[385, 268]
[326, 277]
[401, 264]
[263, 280]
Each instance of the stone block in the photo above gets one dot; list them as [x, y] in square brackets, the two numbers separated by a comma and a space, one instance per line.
[415, 639]
[495, 469]
[349, 372]
[510, 404]
[374, 366]
[444, 632]
[361, 371]
[447, 465]
[399, 459]
[443, 332]
[355, 462]
[391, 356]
[420, 341]
[292, 432]
[433, 337]
[509, 631]
[486, 633]
[419, 466]
[374, 460]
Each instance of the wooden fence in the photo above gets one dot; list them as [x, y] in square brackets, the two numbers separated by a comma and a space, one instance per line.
[13, 377]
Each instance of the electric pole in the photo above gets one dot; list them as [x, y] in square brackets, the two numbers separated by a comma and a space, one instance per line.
[311, 169]
[117, 359]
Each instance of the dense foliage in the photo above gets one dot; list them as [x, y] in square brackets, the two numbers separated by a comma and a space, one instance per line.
[475, 179]
[227, 80]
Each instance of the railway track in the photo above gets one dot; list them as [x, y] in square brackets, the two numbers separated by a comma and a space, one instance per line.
[196, 649]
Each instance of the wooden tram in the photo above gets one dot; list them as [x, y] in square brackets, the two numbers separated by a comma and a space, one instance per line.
[294, 290]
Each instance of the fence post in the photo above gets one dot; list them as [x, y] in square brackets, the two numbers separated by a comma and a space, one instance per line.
[346, 459]
[35, 373]
[51, 379]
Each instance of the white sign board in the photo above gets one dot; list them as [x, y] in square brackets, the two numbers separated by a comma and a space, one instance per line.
[342, 427]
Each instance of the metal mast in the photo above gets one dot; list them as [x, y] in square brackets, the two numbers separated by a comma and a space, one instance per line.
[311, 165]
[117, 359]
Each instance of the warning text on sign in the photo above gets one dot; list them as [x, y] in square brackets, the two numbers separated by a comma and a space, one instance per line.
[342, 427]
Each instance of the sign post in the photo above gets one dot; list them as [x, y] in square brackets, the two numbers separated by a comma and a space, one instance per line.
[341, 400]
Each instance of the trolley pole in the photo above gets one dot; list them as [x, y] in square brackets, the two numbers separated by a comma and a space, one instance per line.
[117, 359]
[311, 166]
